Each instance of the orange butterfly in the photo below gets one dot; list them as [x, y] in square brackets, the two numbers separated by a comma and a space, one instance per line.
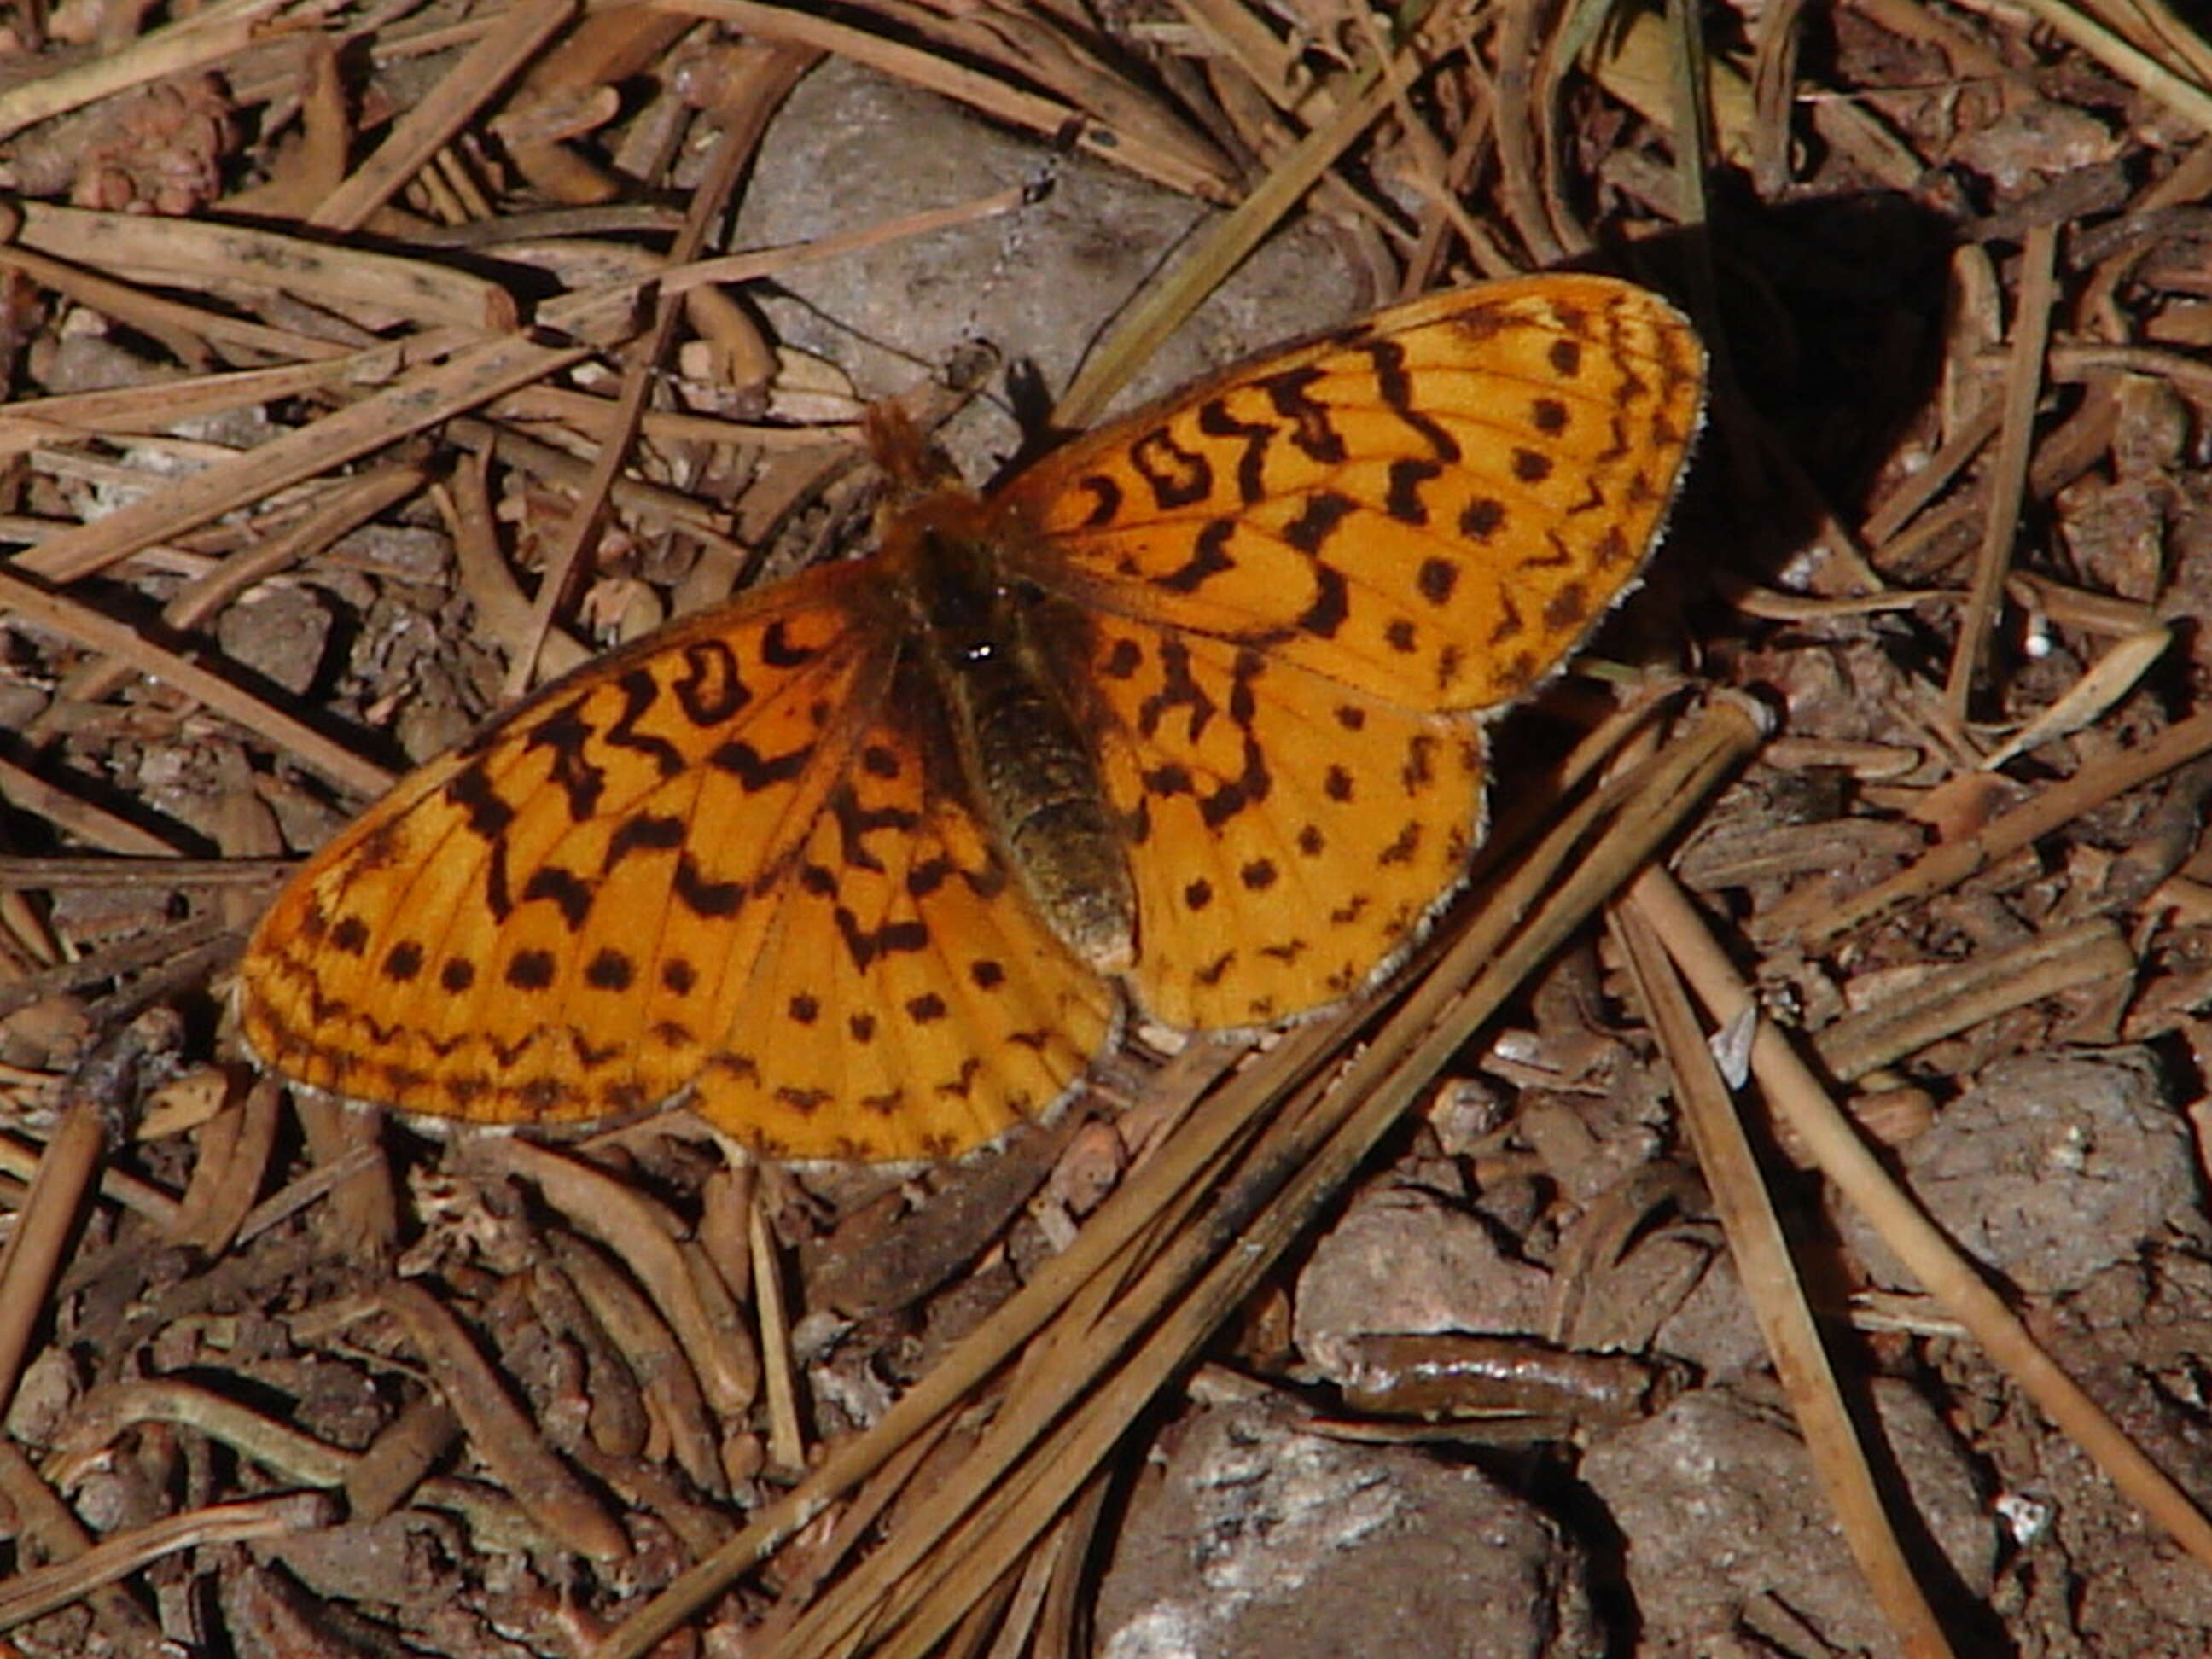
[867, 863]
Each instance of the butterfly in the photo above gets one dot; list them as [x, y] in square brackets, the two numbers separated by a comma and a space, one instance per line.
[1184, 719]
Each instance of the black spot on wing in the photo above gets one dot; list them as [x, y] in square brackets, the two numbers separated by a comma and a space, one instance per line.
[1312, 432]
[1216, 422]
[609, 970]
[709, 900]
[1318, 520]
[754, 771]
[644, 832]
[710, 690]
[1403, 502]
[531, 970]
[1177, 478]
[1331, 604]
[1206, 558]
[639, 691]
[1482, 519]
[567, 893]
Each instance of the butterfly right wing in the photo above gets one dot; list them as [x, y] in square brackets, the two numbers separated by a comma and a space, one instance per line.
[1301, 585]
[724, 866]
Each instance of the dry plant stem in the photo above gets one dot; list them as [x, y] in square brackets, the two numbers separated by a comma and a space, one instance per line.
[1828, 1135]
[1905, 502]
[129, 410]
[186, 330]
[140, 1198]
[42, 1519]
[114, 1410]
[88, 627]
[1519, 51]
[945, 1387]
[1064, 1609]
[1178, 165]
[30, 1594]
[34, 1251]
[854, 1525]
[733, 153]
[1222, 249]
[786, 1441]
[101, 872]
[1774, 91]
[209, 255]
[697, 1306]
[212, 34]
[435, 120]
[2191, 101]
[1955, 861]
[473, 375]
[1017, 1481]
[593, 307]
[348, 508]
[235, 1148]
[653, 1355]
[325, 1177]
[502, 609]
[31, 795]
[2008, 477]
[1951, 999]
[1070, 1294]
[115, 959]
[512, 1446]
[1771, 1284]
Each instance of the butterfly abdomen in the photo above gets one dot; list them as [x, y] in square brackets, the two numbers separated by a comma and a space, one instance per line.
[1020, 749]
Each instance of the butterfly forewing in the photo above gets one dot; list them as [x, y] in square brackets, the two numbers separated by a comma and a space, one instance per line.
[1433, 507]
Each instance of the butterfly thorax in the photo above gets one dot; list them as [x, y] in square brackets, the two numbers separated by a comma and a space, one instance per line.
[981, 638]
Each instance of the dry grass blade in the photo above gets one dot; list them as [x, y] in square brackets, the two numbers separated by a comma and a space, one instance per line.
[1182, 1241]
[1164, 152]
[2023, 387]
[2189, 99]
[207, 37]
[1955, 861]
[45, 1589]
[1950, 1001]
[473, 375]
[1771, 1283]
[257, 260]
[1147, 324]
[66, 616]
[512, 40]
[1798, 1096]
[39, 1243]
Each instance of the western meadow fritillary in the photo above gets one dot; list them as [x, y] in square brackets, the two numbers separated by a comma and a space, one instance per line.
[867, 863]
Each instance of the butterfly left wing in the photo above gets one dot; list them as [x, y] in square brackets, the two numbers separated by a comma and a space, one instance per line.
[723, 867]
[1303, 575]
